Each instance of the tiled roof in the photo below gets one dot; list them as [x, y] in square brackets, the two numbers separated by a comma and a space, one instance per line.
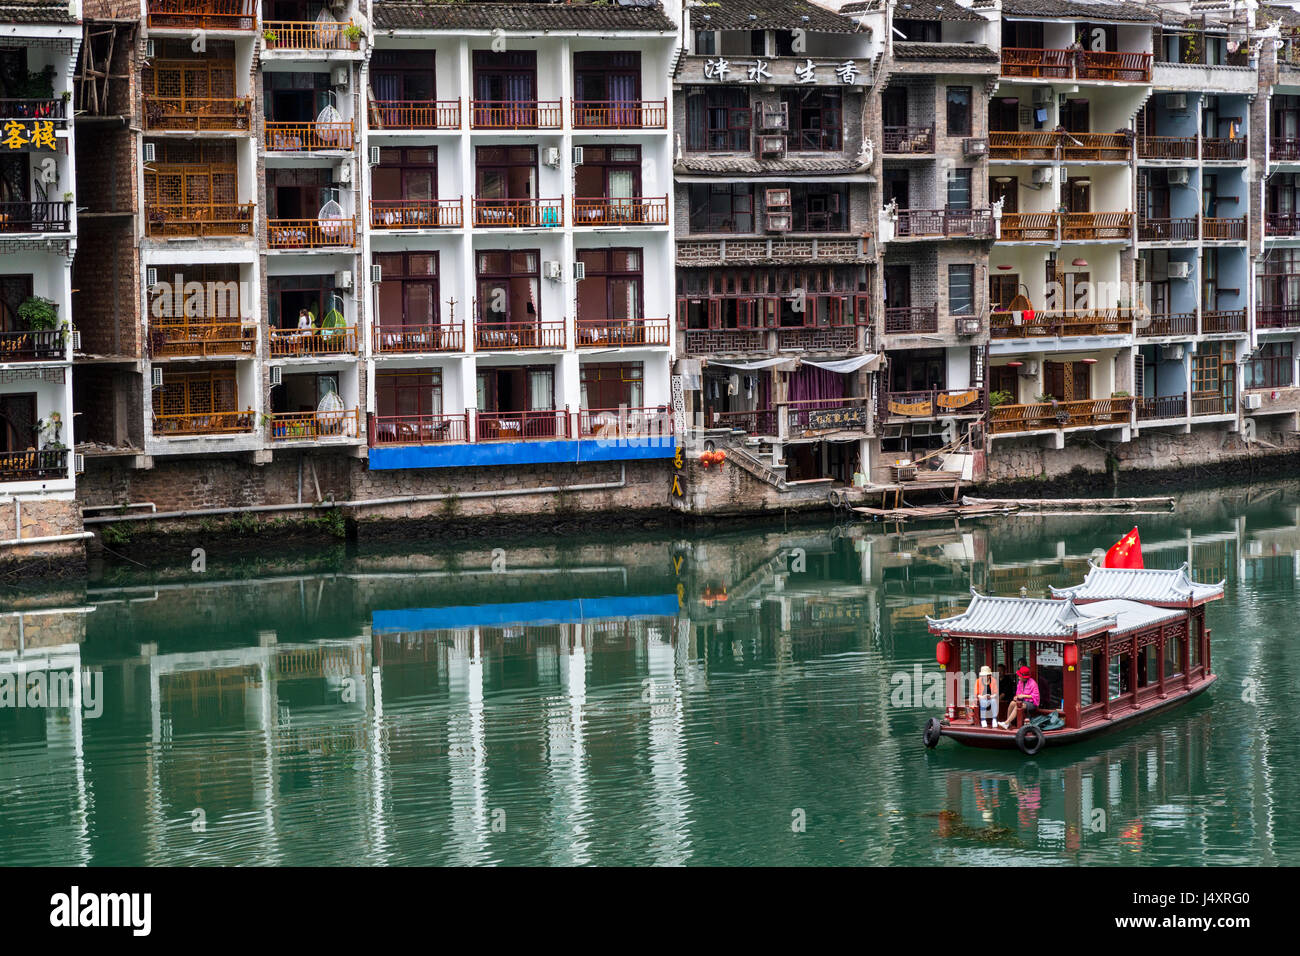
[34, 11]
[914, 50]
[748, 165]
[1132, 615]
[1152, 586]
[1288, 16]
[1095, 11]
[455, 15]
[1022, 617]
[918, 10]
[768, 15]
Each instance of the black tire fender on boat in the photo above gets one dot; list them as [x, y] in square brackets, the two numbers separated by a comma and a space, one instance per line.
[931, 733]
[1030, 740]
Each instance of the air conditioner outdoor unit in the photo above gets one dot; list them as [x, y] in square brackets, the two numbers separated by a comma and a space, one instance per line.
[1178, 177]
[551, 156]
[1043, 95]
[1176, 101]
[78, 463]
[551, 269]
[339, 76]
[968, 326]
[1028, 370]
[1172, 353]
[343, 280]
[771, 145]
[277, 375]
[149, 51]
[150, 151]
[779, 222]
[1180, 270]
[579, 271]
[376, 273]
[1042, 175]
[1250, 401]
[157, 377]
[76, 340]
[150, 277]
[374, 155]
[577, 155]
[774, 117]
[975, 147]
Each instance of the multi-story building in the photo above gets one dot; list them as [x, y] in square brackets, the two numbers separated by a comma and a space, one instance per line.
[38, 239]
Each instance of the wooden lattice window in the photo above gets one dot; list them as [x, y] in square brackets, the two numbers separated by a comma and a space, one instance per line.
[197, 393]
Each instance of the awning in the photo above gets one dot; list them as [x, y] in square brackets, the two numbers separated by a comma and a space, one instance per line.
[870, 362]
[750, 366]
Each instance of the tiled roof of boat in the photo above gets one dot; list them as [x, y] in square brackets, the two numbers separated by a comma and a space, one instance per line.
[1094, 11]
[1022, 617]
[1133, 584]
[456, 15]
[34, 11]
[1133, 615]
[918, 50]
[917, 10]
[768, 15]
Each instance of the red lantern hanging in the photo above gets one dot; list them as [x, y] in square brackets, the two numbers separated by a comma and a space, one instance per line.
[942, 652]
[1071, 655]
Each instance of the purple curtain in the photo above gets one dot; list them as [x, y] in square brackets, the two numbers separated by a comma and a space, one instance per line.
[819, 387]
[622, 91]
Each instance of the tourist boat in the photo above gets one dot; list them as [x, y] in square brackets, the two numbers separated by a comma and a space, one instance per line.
[1120, 647]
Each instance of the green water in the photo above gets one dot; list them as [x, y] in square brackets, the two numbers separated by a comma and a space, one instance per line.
[716, 699]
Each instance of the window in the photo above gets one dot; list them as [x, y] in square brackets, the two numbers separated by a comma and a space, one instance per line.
[1173, 657]
[608, 172]
[405, 174]
[408, 392]
[506, 172]
[18, 421]
[717, 120]
[408, 296]
[399, 80]
[918, 31]
[287, 296]
[959, 189]
[508, 286]
[821, 207]
[961, 290]
[722, 207]
[706, 43]
[612, 287]
[505, 77]
[816, 118]
[1272, 367]
[613, 77]
[959, 110]
[14, 290]
[613, 385]
[195, 393]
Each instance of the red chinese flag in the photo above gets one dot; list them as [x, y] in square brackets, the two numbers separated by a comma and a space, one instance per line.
[1126, 552]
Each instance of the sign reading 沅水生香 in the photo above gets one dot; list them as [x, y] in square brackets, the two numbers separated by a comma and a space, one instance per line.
[28, 136]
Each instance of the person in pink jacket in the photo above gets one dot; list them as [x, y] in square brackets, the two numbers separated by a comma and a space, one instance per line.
[1026, 699]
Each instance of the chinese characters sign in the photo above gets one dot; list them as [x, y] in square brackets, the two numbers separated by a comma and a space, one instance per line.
[845, 73]
[28, 136]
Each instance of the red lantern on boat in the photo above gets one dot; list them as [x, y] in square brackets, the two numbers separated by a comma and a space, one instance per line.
[1071, 655]
[942, 652]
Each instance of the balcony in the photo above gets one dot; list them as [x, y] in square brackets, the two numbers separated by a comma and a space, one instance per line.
[631, 211]
[1284, 150]
[314, 426]
[519, 336]
[1003, 325]
[1040, 416]
[1043, 146]
[624, 422]
[311, 233]
[43, 345]
[1277, 317]
[724, 341]
[620, 114]
[198, 220]
[26, 109]
[1069, 64]
[521, 426]
[394, 214]
[910, 140]
[1224, 150]
[1029, 227]
[902, 320]
[707, 252]
[1183, 229]
[307, 35]
[1224, 230]
[204, 423]
[414, 114]
[605, 333]
[516, 114]
[1213, 403]
[1169, 323]
[759, 421]
[1096, 226]
[296, 343]
[419, 429]
[47, 464]
[200, 338]
[192, 114]
[202, 14]
[944, 224]
[34, 217]
[308, 137]
[1223, 320]
[518, 213]
[1282, 224]
[931, 402]
[1161, 407]
[419, 338]
[818, 416]
[1167, 147]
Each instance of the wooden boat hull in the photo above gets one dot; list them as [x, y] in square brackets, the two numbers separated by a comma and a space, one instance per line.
[1006, 739]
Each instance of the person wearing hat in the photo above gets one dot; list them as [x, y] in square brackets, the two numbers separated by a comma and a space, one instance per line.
[1026, 698]
[986, 692]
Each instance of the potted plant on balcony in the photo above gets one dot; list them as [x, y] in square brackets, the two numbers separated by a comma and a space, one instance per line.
[40, 314]
[353, 33]
[997, 398]
[269, 37]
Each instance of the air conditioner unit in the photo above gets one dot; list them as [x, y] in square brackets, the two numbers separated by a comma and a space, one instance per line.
[374, 155]
[1172, 353]
[1180, 270]
[551, 269]
[969, 326]
[1250, 401]
[975, 147]
[376, 273]
[1176, 101]
[343, 280]
[1028, 370]
[277, 375]
[157, 377]
[771, 145]
[1042, 175]
[579, 271]
[779, 222]
[339, 76]
[150, 277]
[551, 156]
[76, 340]
[1179, 177]
[774, 116]
[78, 463]
[345, 173]
[150, 152]
[1043, 95]
[577, 155]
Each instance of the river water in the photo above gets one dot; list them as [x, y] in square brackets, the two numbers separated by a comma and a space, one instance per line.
[730, 698]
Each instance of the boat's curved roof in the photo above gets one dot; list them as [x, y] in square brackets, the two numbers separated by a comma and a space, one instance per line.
[1148, 586]
[1022, 617]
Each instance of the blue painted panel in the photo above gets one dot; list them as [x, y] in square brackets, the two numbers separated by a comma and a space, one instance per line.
[520, 453]
[526, 612]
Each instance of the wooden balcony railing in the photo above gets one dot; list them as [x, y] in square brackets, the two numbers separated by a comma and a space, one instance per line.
[1095, 226]
[1284, 149]
[1003, 325]
[43, 345]
[604, 333]
[1162, 406]
[1277, 316]
[1082, 64]
[1168, 230]
[313, 426]
[909, 139]
[163, 220]
[414, 114]
[1004, 144]
[287, 343]
[912, 318]
[516, 114]
[1059, 145]
[308, 137]
[1223, 320]
[1096, 147]
[21, 217]
[1213, 403]
[1037, 64]
[419, 429]
[620, 114]
[1282, 224]
[1092, 412]
[204, 423]
[521, 426]
[1274, 371]
[420, 338]
[1115, 67]
[828, 338]
[310, 233]
[945, 223]
[34, 465]
[1224, 149]
[931, 402]
[518, 213]
[518, 336]
[793, 250]
[615, 423]
[1169, 323]
[416, 214]
[1029, 227]
[26, 108]
[199, 338]
[193, 114]
[1224, 229]
[202, 14]
[630, 211]
[1166, 147]
[711, 341]
[307, 35]
[759, 421]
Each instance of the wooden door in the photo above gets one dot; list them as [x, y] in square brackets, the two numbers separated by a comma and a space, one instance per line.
[1003, 287]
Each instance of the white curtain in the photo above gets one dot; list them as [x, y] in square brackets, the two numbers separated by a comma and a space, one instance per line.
[541, 390]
